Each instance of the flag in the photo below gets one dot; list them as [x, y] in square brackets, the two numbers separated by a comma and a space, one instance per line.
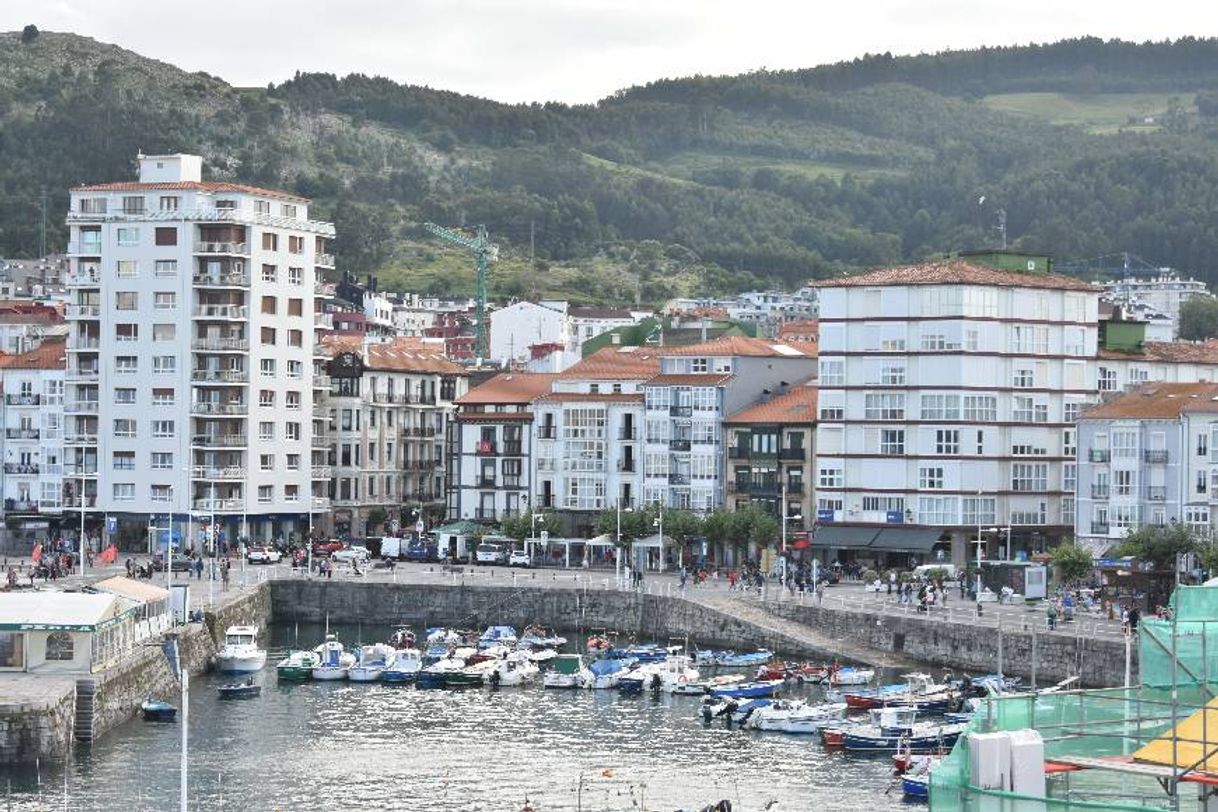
[36, 555]
[170, 648]
[108, 555]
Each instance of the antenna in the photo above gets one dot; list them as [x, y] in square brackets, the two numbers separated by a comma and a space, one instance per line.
[1001, 217]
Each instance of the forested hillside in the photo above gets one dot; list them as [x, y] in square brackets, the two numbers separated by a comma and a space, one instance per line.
[703, 183]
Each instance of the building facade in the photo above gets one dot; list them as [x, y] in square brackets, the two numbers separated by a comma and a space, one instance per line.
[771, 456]
[190, 350]
[34, 475]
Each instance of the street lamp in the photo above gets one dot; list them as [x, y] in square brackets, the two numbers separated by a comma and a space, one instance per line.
[618, 547]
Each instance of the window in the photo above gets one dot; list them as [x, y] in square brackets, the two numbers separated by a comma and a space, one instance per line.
[162, 460]
[270, 241]
[938, 510]
[226, 204]
[295, 244]
[291, 401]
[295, 276]
[124, 396]
[1027, 410]
[296, 370]
[892, 374]
[699, 365]
[266, 430]
[164, 364]
[124, 491]
[291, 430]
[1029, 477]
[1202, 444]
[126, 300]
[291, 493]
[832, 373]
[1198, 518]
[133, 204]
[270, 273]
[940, 407]
[266, 398]
[268, 335]
[947, 441]
[1069, 477]
[981, 408]
[162, 397]
[884, 504]
[830, 478]
[1071, 411]
[93, 205]
[832, 413]
[266, 493]
[165, 267]
[170, 202]
[295, 307]
[162, 428]
[1024, 379]
[294, 461]
[1122, 483]
[128, 237]
[289, 210]
[892, 442]
[888, 406]
[1124, 444]
[165, 300]
[266, 462]
[127, 269]
[262, 206]
[166, 235]
[930, 478]
[161, 493]
[123, 460]
[266, 367]
[1201, 482]
[1027, 450]
[59, 647]
[295, 338]
[124, 427]
[164, 332]
[269, 305]
[126, 332]
[1107, 380]
[126, 364]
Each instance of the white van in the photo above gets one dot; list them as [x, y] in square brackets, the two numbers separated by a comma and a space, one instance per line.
[950, 569]
[391, 547]
[491, 553]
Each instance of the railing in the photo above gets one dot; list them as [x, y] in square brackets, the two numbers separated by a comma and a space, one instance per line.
[512, 448]
[681, 411]
[81, 374]
[83, 469]
[321, 381]
[86, 248]
[74, 501]
[220, 344]
[21, 434]
[323, 320]
[628, 433]
[77, 311]
[1156, 493]
[485, 448]
[222, 280]
[219, 440]
[217, 504]
[321, 503]
[485, 514]
[679, 444]
[629, 466]
[83, 343]
[218, 472]
[1155, 456]
[21, 505]
[322, 472]
[548, 432]
[321, 441]
[22, 400]
[324, 260]
[80, 439]
[1098, 455]
[89, 406]
[323, 288]
[239, 248]
[219, 375]
[226, 409]
[1099, 527]
[21, 468]
[678, 479]
[486, 482]
[792, 454]
[221, 312]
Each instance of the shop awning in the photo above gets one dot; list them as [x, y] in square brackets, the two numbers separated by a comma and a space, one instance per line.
[845, 538]
[906, 539]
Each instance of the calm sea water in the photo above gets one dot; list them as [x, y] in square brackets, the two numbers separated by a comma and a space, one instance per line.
[338, 746]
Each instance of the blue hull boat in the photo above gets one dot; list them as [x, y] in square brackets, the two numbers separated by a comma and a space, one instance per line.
[892, 741]
[749, 689]
[916, 787]
[155, 710]
[733, 660]
[645, 653]
[430, 679]
[241, 690]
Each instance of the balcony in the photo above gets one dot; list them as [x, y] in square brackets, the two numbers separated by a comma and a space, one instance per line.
[323, 321]
[321, 381]
[240, 249]
[321, 441]
[219, 376]
[217, 472]
[1156, 493]
[1155, 456]
[678, 479]
[628, 433]
[219, 440]
[627, 466]
[485, 448]
[80, 439]
[324, 289]
[322, 472]
[220, 344]
[324, 260]
[321, 503]
[792, 454]
[548, 432]
[77, 311]
[218, 505]
[767, 485]
[221, 280]
[219, 409]
[512, 448]
[1098, 455]
[81, 406]
[485, 514]
[1099, 491]
[81, 374]
[681, 411]
[679, 444]
[83, 278]
[222, 312]
[1099, 528]
[85, 343]
[26, 468]
[74, 501]
[738, 452]
[22, 400]
[21, 434]
[82, 469]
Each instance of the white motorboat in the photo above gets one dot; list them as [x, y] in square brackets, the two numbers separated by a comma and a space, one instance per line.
[665, 675]
[404, 665]
[705, 686]
[370, 662]
[796, 716]
[516, 669]
[335, 660]
[240, 654]
[567, 671]
[605, 674]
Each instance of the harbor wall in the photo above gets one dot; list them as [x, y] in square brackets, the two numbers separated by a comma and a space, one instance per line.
[38, 727]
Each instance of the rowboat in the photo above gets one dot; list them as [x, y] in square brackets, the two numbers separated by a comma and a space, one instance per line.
[297, 666]
[154, 710]
[749, 689]
[239, 690]
[795, 716]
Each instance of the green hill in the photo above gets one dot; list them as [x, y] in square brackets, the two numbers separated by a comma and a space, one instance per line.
[682, 185]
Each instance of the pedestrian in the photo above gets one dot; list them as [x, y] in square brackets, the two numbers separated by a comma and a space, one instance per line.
[1134, 616]
[684, 575]
[1051, 614]
[892, 580]
[820, 593]
[224, 565]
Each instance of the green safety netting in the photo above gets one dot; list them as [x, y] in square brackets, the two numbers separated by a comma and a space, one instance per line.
[1195, 612]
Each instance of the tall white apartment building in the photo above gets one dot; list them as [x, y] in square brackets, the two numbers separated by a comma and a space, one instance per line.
[32, 414]
[1164, 292]
[191, 349]
[948, 396]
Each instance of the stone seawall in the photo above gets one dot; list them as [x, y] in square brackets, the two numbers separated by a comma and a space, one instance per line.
[38, 727]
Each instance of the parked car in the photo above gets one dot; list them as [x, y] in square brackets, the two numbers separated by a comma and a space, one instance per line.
[350, 555]
[519, 558]
[420, 550]
[325, 548]
[262, 554]
[180, 563]
[490, 553]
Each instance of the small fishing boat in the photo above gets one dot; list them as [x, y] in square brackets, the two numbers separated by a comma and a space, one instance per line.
[599, 644]
[240, 653]
[297, 666]
[796, 716]
[334, 660]
[539, 637]
[567, 671]
[749, 689]
[403, 666]
[370, 662]
[403, 637]
[470, 675]
[541, 656]
[895, 729]
[239, 690]
[700, 687]
[496, 651]
[516, 669]
[848, 675]
[732, 659]
[155, 710]
[916, 787]
[497, 635]
[644, 652]
[605, 674]
[736, 711]
[436, 674]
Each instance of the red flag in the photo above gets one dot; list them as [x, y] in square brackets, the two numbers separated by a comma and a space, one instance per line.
[36, 555]
[108, 555]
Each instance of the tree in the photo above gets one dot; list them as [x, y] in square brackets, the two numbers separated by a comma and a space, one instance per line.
[635, 524]
[1199, 318]
[29, 34]
[1072, 562]
[376, 518]
[1159, 545]
[524, 526]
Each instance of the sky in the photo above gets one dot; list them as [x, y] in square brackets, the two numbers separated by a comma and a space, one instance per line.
[578, 50]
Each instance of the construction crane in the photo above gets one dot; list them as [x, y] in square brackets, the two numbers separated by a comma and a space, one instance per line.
[485, 252]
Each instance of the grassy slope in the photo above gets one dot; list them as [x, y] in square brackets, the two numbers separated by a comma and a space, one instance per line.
[1098, 113]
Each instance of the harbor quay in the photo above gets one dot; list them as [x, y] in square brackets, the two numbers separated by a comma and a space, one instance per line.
[41, 716]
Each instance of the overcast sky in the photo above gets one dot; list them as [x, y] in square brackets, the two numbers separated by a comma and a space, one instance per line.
[577, 50]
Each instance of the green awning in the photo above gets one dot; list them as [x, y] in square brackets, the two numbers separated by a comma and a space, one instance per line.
[462, 528]
[844, 538]
[907, 539]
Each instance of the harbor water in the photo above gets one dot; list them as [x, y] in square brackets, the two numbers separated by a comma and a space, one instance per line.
[338, 746]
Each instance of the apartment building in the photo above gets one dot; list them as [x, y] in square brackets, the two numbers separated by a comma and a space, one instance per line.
[389, 406]
[490, 448]
[588, 447]
[34, 476]
[1164, 292]
[771, 456]
[684, 407]
[948, 394]
[1149, 456]
[192, 328]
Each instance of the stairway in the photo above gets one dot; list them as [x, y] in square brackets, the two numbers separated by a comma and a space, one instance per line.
[86, 696]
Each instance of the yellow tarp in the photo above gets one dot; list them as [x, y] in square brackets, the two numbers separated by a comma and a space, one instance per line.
[1195, 738]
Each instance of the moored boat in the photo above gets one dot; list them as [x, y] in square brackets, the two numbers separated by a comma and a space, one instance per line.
[370, 663]
[403, 637]
[436, 674]
[239, 690]
[240, 653]
[403, 666]
[334, 662]
[566, 671]
[498, 635]
[297, 666]
[605, 674]
[749, 689]
[735, 710]
[156, 710]
[700, 687]
[516, 669]
[796, 716]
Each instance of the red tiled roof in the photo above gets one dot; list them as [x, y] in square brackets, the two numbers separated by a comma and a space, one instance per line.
[734, 346]
[1157, 401]
[50, 354]
[509, 387]
[796, 406]
[590, 397]
[710, 379]
[956, 272]
[614, 363]
[403, 354]
[797, 330]
[1173, 352]
[188, 186]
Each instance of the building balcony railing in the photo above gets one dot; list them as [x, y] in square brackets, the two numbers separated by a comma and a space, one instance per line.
[219, 409]
[321, 382]
[90, 501]
[485, 514]
[78, 311]
[792, 454]
[679, 444]
[218, 472]
[323, 321]
[628, 433]
[1099, 491]
[1155, 456]
[80, 439]
[627, 466]
[678, 479]
[737, 452]
[22, 400]
[30, 468]
[324, 289]
[681, 411]
[1099, 528]
[322, 472]
[81, 373]
[20, 506]
[1098, 455]
[486, 482]
[81, 406]
[548, 432]
[220, 344]
[221, 312]
[323, 260]
[768, 485]
[238, 248]
[322, 440]
[220, 505]
[80, 469]
[85, 248]
[485, 448]
[321, 503]
[219, 440]
[21, 434]
[1156, 493]
[512, 448]
[221, 280]
[78, 343]
[219, 376]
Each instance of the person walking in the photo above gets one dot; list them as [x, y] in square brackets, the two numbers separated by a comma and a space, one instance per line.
[224, 565]
[892, 580]
[820, 593]
[1051, 614]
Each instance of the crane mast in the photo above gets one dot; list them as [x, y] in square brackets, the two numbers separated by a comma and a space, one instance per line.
[485, 252]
